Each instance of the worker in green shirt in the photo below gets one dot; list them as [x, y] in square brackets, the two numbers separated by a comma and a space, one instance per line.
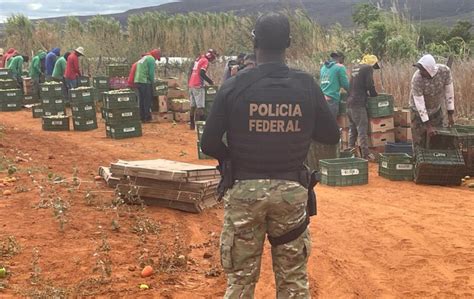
[15, 64]
[58, 72]
[144, 79]
[36, 72]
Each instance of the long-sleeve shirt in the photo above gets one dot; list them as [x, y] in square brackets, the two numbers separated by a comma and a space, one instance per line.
[72, 67]
[15, 64]
[59, 68]
[333, 78]
[362, 84]
[145, 72]
[49, 63]
[35, 67]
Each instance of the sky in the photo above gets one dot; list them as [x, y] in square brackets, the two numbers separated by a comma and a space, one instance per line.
[35, 9]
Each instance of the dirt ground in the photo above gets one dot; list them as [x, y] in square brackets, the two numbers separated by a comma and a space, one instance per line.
[383, 240]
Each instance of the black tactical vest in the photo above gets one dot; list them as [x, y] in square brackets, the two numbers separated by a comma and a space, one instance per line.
[271, 122]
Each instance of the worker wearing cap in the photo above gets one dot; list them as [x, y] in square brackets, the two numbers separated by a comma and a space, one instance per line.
[362, 85]
[270, 113]
[197, 93]
[431, 88]
[333, 78]
[143, 80]
[72, 72]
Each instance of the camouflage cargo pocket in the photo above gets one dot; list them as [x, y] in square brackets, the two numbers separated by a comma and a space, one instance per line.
[307, 243]
[227, 242]
[297, 197]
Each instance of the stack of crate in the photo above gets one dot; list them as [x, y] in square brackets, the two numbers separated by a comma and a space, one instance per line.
[28, 97]
[160, 106]
[173, 92]
[180, 109]
[84, 117]
[53, 106]
[101, 85]
[402, 120]
[466, 141]
[118, 76]
[10, 99]
[122, 116]
[381, 122]
[200, 130]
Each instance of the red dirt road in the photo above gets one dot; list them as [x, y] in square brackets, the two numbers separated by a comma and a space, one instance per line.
[383, 240]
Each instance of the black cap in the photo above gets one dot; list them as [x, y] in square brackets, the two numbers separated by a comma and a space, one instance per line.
[272, 32]
[336, 54]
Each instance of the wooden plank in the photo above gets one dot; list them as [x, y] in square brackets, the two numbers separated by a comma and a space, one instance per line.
[183, 186]
[176, 195]
[105, 173]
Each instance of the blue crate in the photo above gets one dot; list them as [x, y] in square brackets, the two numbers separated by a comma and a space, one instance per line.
[399, 147]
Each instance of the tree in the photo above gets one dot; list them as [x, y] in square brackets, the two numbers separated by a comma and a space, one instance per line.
[365, 13]
[462, 29]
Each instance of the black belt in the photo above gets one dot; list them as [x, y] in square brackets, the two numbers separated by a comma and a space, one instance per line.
[294, 176]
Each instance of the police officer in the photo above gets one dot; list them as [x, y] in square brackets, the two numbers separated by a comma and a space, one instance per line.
[270, 114]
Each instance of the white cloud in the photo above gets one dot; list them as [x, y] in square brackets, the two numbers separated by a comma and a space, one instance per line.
[34, 6]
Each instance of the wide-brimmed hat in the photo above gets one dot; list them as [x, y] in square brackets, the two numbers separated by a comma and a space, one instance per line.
[80, 50]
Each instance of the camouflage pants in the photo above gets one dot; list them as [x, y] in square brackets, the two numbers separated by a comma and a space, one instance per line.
[418, 129]
[254, 208]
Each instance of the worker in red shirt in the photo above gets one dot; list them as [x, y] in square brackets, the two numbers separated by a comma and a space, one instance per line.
[72, 68]
[196, 85]
[10, 53]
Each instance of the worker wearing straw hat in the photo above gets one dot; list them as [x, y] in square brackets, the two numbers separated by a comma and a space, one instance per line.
[72, 67]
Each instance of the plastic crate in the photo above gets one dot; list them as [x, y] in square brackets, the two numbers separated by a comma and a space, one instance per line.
[128, 130]
[83, 81]
[37, 111]
[30, 99]
[445, 138]
[8, 84]
[124, 99]
[210, 95]
[83, 109]
[439, 167]
[121, 116]
[344, 171]
[466, 142]
[318, 151]
[399, 147]
[84, 123]
[101, 82]
[200, 128]
[82, 95]
[160, 88]
[52, 90]
[53, 110]
[380, 106]
[56, 123]
[12, 105]
[14, 94]
[396, 166]
[5, 73]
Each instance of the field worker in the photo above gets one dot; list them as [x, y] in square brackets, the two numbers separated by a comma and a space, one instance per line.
[362, 85]
[7, 56]
[233, 66]
[35, 71]
[431, 87]
[59, 70]
[144, 79]
[15, 64]
[131, 75]
[197, 94]
[2, 52]
[270, 114]
[50, 61]
[334, 77]
[72, 68]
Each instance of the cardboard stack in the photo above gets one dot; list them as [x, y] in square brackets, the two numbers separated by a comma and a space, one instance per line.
[171, 101]
[171, 184]
[402, 119]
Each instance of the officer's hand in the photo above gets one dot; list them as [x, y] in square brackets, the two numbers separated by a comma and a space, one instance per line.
[451, 120]
[430, 130]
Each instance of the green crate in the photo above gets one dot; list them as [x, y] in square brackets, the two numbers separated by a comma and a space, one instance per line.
[5, 73]
[396, 166]
[56, 123]
[37, 111]
[318, 151]
[51, 90]
[445, 138]
[439, 166]
[49, 110]
[118, 70]
[121, 116]
[101, 82]
[84, 123]
[59, 102]
[380, 106]
[30, 100]
[200, 125]
[128, 130]
[9, 94]
[8, 84]
[201, 155]
[82, 95]
[83, 109]
[160, 88]
[11, 105]
[124, 99]
[466, 144]
[83, 81]
[344, 171]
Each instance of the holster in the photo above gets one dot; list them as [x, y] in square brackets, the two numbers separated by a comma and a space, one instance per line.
[227, 178]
